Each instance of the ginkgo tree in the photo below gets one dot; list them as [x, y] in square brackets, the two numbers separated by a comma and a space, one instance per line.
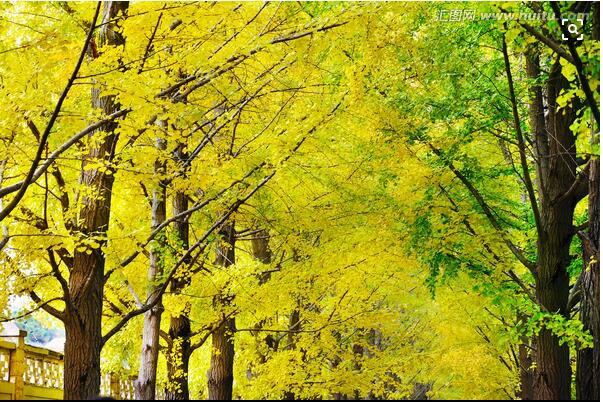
[301, 200]
[518, 202]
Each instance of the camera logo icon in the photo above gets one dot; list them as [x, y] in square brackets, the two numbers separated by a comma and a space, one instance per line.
[573, 28]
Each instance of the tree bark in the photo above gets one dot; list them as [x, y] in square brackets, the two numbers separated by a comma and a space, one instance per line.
[526, 374]
[220, 375]
[587, 366]
[260, 247]
[558, 201]
[294, 326]
[83, 336]
[540, 140]
[179, 345]
[146, 383]
[178, 358]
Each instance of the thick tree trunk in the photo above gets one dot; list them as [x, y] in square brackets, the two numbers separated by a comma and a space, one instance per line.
[83, 319]
[220, 375]
[553, 373]
[146, 383]
[179, 346]
[178, 358]
[83, 336]
[83, 323]
[587, 366]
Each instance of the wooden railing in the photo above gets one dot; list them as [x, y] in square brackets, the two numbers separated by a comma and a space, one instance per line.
[29, 372]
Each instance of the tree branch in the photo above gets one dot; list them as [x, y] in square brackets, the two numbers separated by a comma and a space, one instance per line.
[520, 142]
[552, 44]
[150, 43]
[211, 330]
[579, 188]
[511, 274]
[488, 212]
[234, 61]
[44, 138]
[157, 296]
[57, 274]
[53, 156]
[578, 64]
[42, 306]
[45, 306]
[183, 214]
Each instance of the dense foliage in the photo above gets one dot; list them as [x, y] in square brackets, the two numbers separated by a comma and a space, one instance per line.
[305, 200]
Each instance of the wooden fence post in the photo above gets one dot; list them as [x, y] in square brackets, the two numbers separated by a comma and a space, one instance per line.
[18, 367]
[115, 389]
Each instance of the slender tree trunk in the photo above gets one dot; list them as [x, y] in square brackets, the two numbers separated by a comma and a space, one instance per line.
[83, 337]
[540, 140]
[337, 396]
[179, 346]
[260, 246]
[294, 326]
[526, 374]
[220, 375]
[146, 383]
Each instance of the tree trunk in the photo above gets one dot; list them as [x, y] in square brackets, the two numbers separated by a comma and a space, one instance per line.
[220, 375]
[294, 326]
[526, 374]
[553, 374]
[587, 366]
[83, 319]
[144, 386]
[179, 346]
[178, 357]
[83, 336]
[146, 383]
[260, 246]
[83, 328]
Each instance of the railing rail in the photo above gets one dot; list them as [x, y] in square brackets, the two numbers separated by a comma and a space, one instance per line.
[29, 372]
